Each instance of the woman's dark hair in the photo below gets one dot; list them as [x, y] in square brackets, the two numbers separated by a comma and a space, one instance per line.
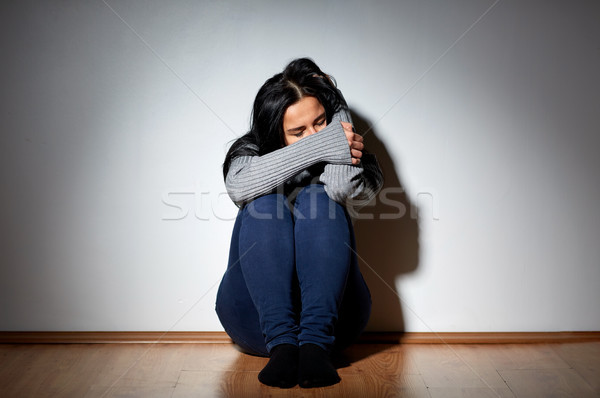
[300, 78]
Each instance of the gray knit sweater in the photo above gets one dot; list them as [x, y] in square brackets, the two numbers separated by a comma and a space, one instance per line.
[325, 155]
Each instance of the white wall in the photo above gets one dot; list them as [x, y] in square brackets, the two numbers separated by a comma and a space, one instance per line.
[108, 118]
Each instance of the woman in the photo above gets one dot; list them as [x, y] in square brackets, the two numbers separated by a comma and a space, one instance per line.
[293, 290]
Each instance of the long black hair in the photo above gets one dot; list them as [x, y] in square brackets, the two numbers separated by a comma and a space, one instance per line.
[300, 78]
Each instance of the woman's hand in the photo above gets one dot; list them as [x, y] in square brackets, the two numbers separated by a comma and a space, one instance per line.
[355, 142]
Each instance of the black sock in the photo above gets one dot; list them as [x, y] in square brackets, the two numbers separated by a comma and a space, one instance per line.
[315, 368]
[282, 369]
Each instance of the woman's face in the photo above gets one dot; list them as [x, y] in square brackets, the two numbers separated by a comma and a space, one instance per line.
[303, 118]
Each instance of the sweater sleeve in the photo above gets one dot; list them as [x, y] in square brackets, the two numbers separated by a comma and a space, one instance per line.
[356, 184]
[252, 176]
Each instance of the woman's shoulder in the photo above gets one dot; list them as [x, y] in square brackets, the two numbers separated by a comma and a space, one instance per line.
[250, 148]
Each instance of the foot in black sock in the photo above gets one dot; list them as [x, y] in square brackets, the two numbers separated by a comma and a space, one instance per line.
[315, 368]
[282, 369]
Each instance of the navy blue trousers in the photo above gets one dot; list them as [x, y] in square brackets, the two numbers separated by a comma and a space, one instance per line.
[293, 275]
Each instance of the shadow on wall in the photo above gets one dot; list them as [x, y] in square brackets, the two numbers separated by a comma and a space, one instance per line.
[387, 238]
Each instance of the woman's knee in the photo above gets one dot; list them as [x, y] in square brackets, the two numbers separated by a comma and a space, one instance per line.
[265, 220]
[312, 202]
[267, 207]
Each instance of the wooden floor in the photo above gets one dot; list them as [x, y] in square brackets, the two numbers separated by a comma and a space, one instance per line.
[367, 370]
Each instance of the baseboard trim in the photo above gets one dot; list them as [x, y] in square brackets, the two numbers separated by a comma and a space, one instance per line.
[368, 337]
[479, 337]
[113, 337]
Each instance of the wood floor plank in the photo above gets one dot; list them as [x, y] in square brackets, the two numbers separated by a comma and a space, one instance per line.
[244, 384]
[131, 392]
[524, 356]
[155, 370]
[479, 359]
[219, 357]
[451, 392]
[199, 383]
[134, 392]
[377, 358]
[547, 383]
[158, 365]
[585, 359]
[412, 370]
[107, 364]
[63, 370]
[224, 384]
[441, 367]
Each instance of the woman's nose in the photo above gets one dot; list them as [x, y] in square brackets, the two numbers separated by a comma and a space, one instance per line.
[310, 131]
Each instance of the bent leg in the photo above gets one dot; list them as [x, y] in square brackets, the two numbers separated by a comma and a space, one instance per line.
[323, 259]
[266, 258]
[234, 306]
[355, 309]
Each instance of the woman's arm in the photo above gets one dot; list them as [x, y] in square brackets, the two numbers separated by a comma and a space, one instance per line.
[357, 184]
[253, 176]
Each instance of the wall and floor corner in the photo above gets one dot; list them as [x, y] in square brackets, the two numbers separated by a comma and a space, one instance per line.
[116, 118]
